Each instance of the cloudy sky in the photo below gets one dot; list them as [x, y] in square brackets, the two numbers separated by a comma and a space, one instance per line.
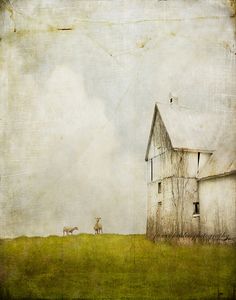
[79, 80]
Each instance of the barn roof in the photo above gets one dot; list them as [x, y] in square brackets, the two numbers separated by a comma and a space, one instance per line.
[189, 130]
[223, 160]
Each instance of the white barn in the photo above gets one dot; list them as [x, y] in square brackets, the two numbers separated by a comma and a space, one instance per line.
[217, 189]
[180, 153]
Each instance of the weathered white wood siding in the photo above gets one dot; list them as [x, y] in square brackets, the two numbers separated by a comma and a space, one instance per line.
[218, 206]
[170, 211]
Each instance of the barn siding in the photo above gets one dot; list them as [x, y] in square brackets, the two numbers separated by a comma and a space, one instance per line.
[171, 211]
[218, 206]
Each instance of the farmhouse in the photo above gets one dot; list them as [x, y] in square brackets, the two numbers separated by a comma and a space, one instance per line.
[191, 173]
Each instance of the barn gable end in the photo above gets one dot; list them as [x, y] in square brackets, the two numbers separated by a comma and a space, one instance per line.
[180, 145]
[158, 137]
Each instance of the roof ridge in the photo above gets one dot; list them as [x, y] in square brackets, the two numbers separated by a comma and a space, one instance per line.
[181, 106]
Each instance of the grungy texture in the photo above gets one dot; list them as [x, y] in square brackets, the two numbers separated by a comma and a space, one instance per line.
[78, 83]
[183, 200]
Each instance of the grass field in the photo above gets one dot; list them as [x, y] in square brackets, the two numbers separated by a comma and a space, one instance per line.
[114, 267]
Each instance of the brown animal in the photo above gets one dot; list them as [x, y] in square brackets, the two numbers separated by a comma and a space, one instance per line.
[98, 226]
[69, 230]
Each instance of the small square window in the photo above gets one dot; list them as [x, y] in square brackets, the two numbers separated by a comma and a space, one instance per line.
[159, 187]
[196, 210]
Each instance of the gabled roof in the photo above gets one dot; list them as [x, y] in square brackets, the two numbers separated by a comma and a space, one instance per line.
[223, 160]
[189, 130]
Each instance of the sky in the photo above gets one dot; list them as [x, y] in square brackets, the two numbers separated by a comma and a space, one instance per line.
[79, 80]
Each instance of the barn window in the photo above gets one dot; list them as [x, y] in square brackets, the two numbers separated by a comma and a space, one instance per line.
[198, 158]
[159, 187]
[151, 169]
[196, 210]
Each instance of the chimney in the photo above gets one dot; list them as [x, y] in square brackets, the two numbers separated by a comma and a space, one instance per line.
[173, 99]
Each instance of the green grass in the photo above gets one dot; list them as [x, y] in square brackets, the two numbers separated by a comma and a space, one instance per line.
[114, 267]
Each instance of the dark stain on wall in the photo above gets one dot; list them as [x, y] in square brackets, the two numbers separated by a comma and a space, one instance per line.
[66, 28]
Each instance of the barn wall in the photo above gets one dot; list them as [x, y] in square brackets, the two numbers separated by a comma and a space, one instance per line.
[184, 164]
[176, 163]
[218, 206]
[171, 211]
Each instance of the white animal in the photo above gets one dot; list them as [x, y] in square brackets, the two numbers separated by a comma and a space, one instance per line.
[98, 226]
[69, 230]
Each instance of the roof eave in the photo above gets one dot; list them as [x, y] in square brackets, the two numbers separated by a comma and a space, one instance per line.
[151, 130]
[193, 150]
[216, 175]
